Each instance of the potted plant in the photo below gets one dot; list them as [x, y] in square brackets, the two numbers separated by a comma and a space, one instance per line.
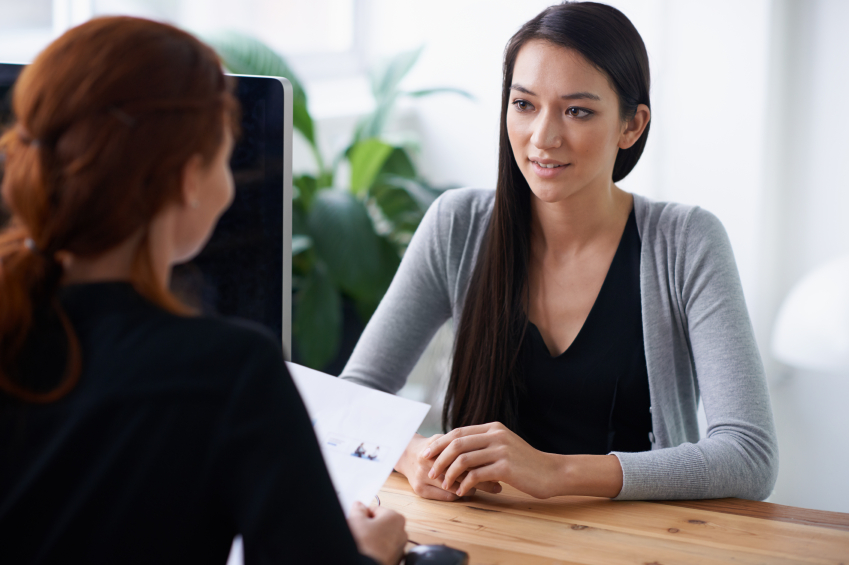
[348, 234]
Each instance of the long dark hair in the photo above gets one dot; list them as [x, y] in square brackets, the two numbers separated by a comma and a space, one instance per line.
[106, 118]
[486, 376]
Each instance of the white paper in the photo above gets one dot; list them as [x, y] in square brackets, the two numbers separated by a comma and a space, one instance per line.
[362, 432]
[349, 419]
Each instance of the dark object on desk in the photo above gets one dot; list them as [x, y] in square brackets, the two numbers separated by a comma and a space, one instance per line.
[436, 555]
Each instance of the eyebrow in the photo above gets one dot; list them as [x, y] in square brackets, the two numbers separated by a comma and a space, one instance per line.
[573, 96]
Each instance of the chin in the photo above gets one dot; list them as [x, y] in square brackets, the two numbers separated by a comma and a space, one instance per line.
[184, 256]
[552, 194]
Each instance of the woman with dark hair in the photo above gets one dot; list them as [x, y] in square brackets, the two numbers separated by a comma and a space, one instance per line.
[589, 321]
[132, 431]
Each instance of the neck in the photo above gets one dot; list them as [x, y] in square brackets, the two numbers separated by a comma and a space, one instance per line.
[118, 263]
[570, 225]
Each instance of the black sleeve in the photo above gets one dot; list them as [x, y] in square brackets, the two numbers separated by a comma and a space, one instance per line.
[271, 474]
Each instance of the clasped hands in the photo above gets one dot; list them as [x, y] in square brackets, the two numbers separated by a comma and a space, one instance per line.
[446, 467]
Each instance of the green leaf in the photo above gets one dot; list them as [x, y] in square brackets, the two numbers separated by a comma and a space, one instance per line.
[245, 55]
[344, 238]
[367, 159]
[415, 188]
[386, 78]
[442, 90]
[302, 121]
[389, 261]
[372, 124]
[299, 217]
[399, 163]
[317, 324]
[325, 179]
[394, 202]
[306, 185]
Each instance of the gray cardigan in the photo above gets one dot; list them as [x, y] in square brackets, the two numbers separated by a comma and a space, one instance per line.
[698, 340]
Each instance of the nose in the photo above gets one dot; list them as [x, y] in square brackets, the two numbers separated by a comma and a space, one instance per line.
[547, 131]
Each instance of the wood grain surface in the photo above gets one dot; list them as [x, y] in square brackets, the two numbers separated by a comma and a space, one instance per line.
[514, 528]
[768, 511]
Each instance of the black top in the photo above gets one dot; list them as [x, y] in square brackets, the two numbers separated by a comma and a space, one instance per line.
[594, 397]
[181, 433]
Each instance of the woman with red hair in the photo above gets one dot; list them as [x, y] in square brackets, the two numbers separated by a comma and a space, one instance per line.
[130, 429]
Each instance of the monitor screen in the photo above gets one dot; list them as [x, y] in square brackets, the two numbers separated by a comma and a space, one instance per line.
[245, 270]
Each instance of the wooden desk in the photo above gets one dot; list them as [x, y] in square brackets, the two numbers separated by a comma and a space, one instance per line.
[514, 528]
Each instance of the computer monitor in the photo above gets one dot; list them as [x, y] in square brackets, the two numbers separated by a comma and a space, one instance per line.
[245, 270]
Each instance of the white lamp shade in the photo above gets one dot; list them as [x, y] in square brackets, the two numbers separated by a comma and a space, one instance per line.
[812, 327]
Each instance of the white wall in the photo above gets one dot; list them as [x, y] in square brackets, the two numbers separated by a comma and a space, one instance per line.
[808, 198]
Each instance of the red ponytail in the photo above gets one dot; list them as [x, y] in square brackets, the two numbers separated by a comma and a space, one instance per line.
[107, 116]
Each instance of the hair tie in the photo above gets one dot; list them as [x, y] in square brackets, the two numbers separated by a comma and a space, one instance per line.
[30, 244]
[25, 136]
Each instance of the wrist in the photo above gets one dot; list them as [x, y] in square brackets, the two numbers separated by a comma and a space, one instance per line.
[562, 476]
[590, 475]
[410, 454]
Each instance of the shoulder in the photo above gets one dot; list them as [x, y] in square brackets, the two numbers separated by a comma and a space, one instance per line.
[466, 201]
[210, 349]
[685, 245]
[224, 336]
[675, 225]
[444, 248]
[460, 214]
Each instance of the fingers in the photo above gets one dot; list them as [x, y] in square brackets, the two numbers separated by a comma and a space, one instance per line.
[381, 537]
[425, 486]
[394, 523]
[457, 448]
[381, 513]
[437, 445]
[358, 509]
[492, 487]
[464, 462]
[436, 493]
[433, 438]
[475, 477]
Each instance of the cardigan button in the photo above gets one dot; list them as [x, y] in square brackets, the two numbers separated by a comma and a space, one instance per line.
[651, 437]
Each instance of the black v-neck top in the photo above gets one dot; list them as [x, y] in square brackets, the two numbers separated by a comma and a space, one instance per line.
[594, 397]
[181, 433]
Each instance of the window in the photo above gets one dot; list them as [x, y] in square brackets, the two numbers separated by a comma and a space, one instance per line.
[319, 38]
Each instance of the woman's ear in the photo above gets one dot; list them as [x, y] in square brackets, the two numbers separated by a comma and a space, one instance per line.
[635, 127]
[191, 181]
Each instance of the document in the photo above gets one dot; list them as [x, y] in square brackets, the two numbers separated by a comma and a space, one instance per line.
[362, 432]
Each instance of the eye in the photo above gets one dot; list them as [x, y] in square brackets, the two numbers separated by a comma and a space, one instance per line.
[522, 105]
[575, 112]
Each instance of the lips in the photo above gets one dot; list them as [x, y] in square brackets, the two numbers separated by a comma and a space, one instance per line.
[548, 165]
[548, 168]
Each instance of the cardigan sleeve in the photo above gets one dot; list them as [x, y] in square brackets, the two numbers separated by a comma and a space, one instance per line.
[414, 307]
[738, 457]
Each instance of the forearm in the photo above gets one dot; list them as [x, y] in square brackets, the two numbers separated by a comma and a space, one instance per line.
[587, 475]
